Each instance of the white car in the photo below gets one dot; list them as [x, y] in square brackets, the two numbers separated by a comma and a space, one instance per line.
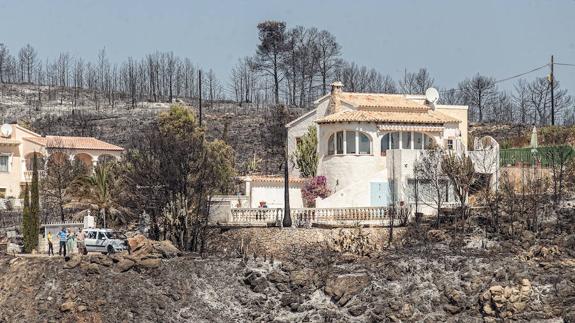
[105, 241]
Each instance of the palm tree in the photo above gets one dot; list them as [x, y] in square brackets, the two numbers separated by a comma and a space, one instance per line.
[98, 190]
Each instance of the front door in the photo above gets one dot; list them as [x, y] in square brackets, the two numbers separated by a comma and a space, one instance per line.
[380, 193]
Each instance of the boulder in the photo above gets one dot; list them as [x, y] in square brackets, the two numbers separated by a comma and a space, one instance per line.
[73, 262]
[257, 283]
[142, 248]
[124, 265]
[342, 288]
[301, 277]
[67, 306]
[277, 276]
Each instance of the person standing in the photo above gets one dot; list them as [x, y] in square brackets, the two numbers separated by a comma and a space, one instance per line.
[81, 246]
[71, 243]
[50, 245]
[63, 236]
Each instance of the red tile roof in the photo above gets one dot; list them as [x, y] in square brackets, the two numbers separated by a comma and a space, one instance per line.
[86, 143]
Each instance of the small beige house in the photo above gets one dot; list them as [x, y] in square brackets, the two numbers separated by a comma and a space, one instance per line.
[18, 146]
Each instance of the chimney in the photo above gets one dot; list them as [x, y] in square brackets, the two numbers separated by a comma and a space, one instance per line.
[336, 87]
[334, 101]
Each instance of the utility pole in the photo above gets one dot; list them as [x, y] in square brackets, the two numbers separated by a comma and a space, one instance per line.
[200, 89]
[552, 83]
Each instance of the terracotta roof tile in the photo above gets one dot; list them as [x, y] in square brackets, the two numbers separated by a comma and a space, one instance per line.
[87, 143]
[377, 100]
[427, 117]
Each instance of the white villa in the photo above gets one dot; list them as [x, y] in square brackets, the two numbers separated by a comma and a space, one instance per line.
[18, 146]
[367, 146]
[367, 143]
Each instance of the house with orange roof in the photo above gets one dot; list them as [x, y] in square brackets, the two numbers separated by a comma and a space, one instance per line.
[18, 146]
[368, 143]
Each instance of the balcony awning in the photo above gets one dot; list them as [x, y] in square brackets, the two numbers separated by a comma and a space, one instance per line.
[9, 142]
[410, 127]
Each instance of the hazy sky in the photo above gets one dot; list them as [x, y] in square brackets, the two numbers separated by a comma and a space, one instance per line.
[454, 39]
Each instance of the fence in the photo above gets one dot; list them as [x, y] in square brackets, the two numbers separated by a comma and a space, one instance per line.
[309, 216]
[547, 156]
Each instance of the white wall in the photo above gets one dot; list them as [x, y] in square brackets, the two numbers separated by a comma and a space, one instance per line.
[273, 195]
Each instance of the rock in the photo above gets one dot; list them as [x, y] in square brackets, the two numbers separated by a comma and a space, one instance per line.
[277, 276]
[452, 309]
[301, 277]
[90, 269]
[67, 306]
[343, 288]
[257, 283]
[519, 306]
[167, 249]
[73, 262]
[357, 310]
[82, 308]
[102, 260]
[143, 248]
[124, 265]
[150, 263]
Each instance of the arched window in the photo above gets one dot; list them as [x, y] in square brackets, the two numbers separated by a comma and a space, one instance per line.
[364, 144]
[331, 145]
[349, 142]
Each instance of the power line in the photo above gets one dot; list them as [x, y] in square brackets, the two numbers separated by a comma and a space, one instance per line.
[519, 75]
[508, 78]
[564, 64]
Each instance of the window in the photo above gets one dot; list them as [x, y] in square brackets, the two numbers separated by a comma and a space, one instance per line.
[350, 142]
[331, 145]
[406, 140]
[2, 193]
[385, 143]
[339, 142]
[364, 144]
[101, 236]
[394, 140]
[409, 140]
[449, 144]
[418, 140]
[297, 141]
[4, 160]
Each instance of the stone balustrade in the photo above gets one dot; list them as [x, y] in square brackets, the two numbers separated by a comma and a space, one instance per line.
[308, 216]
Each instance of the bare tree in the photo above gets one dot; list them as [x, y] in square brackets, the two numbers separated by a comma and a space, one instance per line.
[479, 92]
[4, 54]
[27, 56]
[416, 83]
[329, 51]
[432, 182]
[270, 51]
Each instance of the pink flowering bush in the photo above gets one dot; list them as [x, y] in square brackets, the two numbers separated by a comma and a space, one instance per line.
[314, 188]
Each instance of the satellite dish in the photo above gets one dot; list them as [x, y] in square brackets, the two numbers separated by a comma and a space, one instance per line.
[431, 95]
[6, 130]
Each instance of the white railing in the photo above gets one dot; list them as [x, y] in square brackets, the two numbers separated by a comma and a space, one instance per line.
[309, 216]
[256, 216]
